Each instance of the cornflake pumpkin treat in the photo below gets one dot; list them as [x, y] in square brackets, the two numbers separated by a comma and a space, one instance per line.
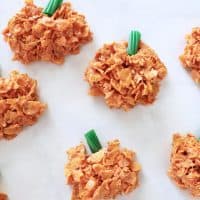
[3, 196]
[185, 163]
[102, 175]
[191, 56]
[125, 74]
[19, 104]
[33, 34]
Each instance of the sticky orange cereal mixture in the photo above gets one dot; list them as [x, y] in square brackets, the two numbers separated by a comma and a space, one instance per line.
[34, 36]
[124, 80]
[3, 196]
[185, 163]
[103, 175]
[191, 56]
[19, 105]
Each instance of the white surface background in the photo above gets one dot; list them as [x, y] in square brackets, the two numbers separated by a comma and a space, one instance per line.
[32, 164]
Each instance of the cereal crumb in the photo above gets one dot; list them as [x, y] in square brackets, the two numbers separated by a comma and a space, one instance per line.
[185, 163]
[125, 81]
[191, 56]
[19, 105]
[33, 36]
[3, 196]
[103, 175]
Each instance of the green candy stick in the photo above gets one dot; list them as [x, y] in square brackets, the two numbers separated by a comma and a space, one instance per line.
[93, 141]
[52, 7]
[133, 44]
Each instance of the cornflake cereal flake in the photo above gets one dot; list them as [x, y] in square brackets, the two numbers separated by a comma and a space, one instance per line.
[34, 36]
[185, 163]
[191, 56]
[19, 105]
[103, 175]
[124, 80]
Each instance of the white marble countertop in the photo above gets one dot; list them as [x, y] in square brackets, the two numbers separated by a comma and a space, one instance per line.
[32, 164]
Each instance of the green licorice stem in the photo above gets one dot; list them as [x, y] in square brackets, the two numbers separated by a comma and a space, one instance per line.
[52, 7]
[133, 44]
[93, 141]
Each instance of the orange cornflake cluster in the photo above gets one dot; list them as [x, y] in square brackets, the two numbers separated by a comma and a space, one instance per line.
[102, 175]
[19, 105]
[191, 55]
[124, 80]
[34, 36]
[3, 196]
[185, 163]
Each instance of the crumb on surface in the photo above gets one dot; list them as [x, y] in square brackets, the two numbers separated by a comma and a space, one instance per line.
[34, 36]
[185, 163]
[125, 81]
[103, 175]
[191, 56]
[19, 104]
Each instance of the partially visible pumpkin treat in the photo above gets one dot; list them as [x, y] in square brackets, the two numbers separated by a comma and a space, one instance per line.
[184, 167]
[3, 196]
[125, 80]
[191, 56]
[34, 36]
[19, 104]
[102, 175]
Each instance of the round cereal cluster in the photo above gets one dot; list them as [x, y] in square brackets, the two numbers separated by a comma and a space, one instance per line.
[3, 196]
[102, 175]
[19, 105]
[125, 81]
[185, 163]
[34, 36]
[191, 55]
